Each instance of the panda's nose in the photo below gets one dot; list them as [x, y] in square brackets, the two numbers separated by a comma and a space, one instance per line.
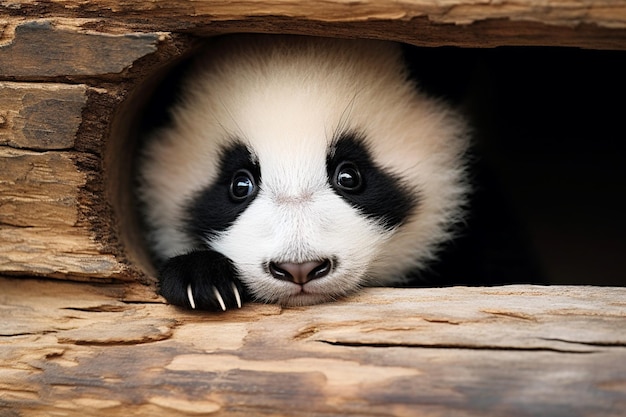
[300, 273]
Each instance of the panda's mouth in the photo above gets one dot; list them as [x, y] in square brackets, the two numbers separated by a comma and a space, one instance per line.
[302, 289]
[312, 292]
[300, 296]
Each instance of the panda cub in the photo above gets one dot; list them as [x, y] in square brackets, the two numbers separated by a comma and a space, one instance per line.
[296, 170]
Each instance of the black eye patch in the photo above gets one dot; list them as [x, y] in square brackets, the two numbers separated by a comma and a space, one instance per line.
[355, 177]
[216, 208]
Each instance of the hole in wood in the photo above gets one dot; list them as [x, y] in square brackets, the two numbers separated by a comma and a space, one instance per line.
[546, 125]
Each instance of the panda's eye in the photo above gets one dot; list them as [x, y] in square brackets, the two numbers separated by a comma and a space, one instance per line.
[347, 177]
[242, 185]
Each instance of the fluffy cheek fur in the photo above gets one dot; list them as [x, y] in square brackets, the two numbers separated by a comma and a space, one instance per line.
[298, 230]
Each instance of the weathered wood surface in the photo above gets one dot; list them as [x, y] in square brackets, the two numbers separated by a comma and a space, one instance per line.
[54, 217]
[607, 13]
[79, 349]
[473, 23]
[39, 48]
[42, 226]
[44, 116]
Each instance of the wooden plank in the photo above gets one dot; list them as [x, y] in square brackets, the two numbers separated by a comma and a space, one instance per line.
[565, 12]
[42, 48]
[467, 23]
[41, 227]
[41, 116]
[77, 349]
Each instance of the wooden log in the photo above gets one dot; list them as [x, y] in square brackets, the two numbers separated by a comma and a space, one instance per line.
[79, 349]
[38, 189]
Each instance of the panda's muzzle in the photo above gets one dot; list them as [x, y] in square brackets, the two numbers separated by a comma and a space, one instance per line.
[300, 273]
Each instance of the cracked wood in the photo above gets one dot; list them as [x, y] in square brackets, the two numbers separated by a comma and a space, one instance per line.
[81, 349]
[41, 230]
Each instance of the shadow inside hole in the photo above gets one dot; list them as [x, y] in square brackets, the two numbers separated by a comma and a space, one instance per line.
[549, 130]
[145, 109]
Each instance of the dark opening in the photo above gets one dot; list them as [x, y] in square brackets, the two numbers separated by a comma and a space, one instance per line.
[549, 130]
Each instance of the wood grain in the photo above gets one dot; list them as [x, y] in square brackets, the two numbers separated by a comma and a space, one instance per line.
[42, 48]
[43, 116]
[55, 219]
[573, 23]
[41, 228]
[78, 349]
[565, 12]
[38, 189]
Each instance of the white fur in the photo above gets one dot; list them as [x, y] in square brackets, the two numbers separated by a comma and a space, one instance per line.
[286, 98]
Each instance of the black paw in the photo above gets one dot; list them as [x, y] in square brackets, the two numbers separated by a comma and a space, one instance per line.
[203, 280]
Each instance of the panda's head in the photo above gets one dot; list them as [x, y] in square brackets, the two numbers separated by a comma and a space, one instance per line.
[313, 164]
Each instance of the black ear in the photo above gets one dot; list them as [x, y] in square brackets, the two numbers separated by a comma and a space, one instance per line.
[204, 280]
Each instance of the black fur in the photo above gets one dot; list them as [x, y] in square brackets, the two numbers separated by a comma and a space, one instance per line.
[382, 195]
[204, 271]
[213, 210]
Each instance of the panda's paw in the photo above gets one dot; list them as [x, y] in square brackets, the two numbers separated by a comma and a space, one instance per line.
[204, 280]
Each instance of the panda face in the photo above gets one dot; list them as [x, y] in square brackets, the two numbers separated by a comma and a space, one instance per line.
[284, 221]
[311, 166]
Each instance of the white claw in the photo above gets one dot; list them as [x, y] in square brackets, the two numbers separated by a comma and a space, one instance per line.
[237, 296]
[219, 298]
[190, 297]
